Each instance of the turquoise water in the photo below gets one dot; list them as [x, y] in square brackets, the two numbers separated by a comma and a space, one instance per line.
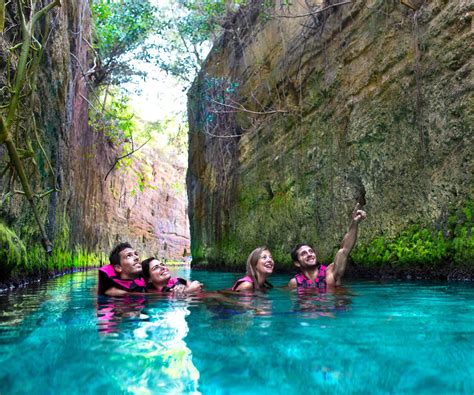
[371, 338]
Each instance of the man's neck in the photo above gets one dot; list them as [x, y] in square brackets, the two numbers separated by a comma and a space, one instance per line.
[311, 273]
[127, 277]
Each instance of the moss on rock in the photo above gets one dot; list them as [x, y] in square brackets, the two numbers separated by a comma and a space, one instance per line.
[12, 250]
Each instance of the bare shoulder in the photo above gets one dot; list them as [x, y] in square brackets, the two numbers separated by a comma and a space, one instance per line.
[292, 283]
[245, 286]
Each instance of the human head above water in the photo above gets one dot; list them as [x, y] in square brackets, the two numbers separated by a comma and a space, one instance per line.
[125, 261]
[295, 250]
[253, 268]
[114, 257]
[154, 271]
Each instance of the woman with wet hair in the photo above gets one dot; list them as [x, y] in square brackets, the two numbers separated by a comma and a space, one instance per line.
[259, 267]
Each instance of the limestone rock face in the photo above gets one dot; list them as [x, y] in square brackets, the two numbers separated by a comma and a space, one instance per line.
[144, 203]
[149, 211]
[370, 99]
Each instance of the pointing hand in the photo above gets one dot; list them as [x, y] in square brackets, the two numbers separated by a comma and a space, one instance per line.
[358, 215]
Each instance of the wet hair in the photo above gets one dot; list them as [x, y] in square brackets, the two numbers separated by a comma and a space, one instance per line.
[252, 267]
[146, 268]
[114, 257]
[294, 251]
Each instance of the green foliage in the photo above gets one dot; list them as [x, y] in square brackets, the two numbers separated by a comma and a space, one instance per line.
[35, 262]
[121, 32]
[12, 250]
[421, 246]
[117, 121]
[171, 132]
[17, 261]
[181, 33]
[413, 246]
[186, 30]
[462, 231]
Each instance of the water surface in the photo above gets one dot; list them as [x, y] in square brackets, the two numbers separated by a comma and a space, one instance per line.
[369, 338]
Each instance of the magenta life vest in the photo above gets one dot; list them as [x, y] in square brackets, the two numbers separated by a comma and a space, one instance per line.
[319, 282]
[108, 278]
[246, 279]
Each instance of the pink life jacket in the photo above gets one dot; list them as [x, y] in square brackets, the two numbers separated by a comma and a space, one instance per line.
[246, 279]
[319, 282]
[108, 278]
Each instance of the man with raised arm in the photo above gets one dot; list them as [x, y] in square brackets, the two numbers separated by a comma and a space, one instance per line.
[123, 274]
[314, 275]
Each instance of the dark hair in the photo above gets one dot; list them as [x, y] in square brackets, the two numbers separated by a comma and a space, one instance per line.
[146, 268]
[294, 250]
[114, 257]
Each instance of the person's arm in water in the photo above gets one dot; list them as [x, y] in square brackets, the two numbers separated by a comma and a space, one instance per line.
[245, 286]
[113, 291]
[193, 287]
[189, 288]
[336, 270]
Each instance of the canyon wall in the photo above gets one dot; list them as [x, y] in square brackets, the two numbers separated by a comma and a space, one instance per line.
[302, 110]
[144, 202]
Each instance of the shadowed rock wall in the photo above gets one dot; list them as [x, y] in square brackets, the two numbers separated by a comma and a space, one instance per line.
[368, 98]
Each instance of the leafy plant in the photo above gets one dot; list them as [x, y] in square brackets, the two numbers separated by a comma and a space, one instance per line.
[121, 32]
[423, 246]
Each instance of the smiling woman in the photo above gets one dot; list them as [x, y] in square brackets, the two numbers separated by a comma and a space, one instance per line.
[259, 266]
[158, 279]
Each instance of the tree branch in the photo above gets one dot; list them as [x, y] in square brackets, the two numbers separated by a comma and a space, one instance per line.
[241, 108]
[44, 10]
[125, 156]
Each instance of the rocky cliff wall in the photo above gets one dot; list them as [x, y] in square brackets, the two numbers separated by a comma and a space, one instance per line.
[142, 203]
[298, 113]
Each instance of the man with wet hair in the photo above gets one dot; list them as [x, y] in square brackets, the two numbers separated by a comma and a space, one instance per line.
[123, 274]
[311, 273]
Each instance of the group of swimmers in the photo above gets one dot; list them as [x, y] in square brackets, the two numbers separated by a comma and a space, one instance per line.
[127, 274]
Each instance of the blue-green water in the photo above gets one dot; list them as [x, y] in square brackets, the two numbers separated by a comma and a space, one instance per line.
[372, 338]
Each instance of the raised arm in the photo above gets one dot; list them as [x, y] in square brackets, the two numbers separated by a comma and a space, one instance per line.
[348, 242]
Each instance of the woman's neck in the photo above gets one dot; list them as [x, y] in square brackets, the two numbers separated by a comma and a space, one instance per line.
[159, 285]
[261, 278]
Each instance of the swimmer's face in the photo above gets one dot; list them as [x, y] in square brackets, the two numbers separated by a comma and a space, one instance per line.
[265, 262]
[159, 273]
[130, 267]
[306, 257]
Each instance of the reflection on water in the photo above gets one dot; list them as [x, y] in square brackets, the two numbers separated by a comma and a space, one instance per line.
[163, 337]
[315, 303]
[158, 331]
[410, 338]
[112, 311]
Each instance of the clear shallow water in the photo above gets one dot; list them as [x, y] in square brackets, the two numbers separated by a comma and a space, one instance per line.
[371, 338]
